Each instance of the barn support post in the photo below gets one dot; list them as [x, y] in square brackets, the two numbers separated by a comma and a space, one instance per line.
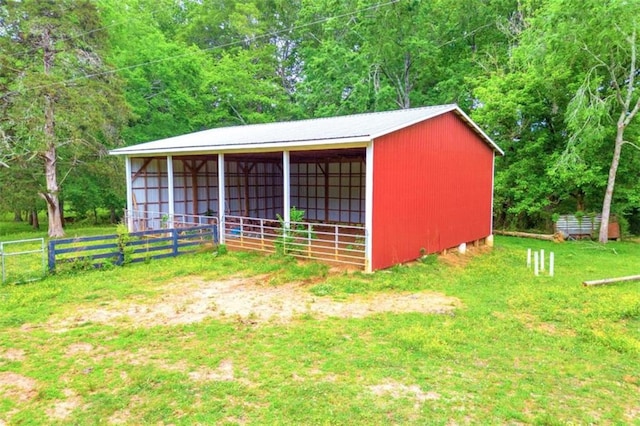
[194, 187]
[170, 190]
[286, 189]
[129, 216]
[221, 207]
[368, 208]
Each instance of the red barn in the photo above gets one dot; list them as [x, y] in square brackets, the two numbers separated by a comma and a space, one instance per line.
[376, 189]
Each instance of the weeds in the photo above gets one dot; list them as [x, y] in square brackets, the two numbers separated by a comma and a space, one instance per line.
[293, 235]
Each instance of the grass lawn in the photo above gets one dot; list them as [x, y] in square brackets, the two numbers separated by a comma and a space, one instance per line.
[118, 347]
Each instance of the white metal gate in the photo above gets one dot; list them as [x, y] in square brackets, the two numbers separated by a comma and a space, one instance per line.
[23, 260]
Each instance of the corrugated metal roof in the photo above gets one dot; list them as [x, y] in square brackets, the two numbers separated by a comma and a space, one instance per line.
[321, 132]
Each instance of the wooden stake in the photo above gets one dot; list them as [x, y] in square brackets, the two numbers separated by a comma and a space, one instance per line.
[611, 280]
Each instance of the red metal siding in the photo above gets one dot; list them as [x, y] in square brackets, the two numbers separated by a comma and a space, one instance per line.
[432, 190]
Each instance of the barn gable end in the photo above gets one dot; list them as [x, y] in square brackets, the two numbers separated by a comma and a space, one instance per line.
[432, 189]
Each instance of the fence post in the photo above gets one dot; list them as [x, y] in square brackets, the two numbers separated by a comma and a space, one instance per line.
[308, 240]
[214, 230]
[262, 234]
[52, 255]
[174, 234]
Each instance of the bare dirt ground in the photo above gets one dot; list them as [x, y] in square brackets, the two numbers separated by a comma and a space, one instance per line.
[248, 299]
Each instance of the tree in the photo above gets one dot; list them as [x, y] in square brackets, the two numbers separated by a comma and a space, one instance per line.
[62, 103]
[607, 101]
[364, 55]
[253, 71]
[555, 104]
[162, 76]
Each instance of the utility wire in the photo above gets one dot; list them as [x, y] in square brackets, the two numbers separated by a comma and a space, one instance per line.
[67, 38]
[221, 46]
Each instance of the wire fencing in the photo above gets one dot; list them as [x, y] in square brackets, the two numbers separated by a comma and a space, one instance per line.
[23, 260]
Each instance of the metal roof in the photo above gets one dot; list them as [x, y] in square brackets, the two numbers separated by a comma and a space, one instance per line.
[347, 131]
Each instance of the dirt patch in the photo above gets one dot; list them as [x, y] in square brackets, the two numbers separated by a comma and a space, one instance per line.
[224, 373]
[78, 348]
[248, 299]
[17, 387]
[452, 257]
[12, 354]
[63, 408]
[397, 390]
[123, 416]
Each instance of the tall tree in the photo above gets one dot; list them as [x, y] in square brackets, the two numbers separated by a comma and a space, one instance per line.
[62, 102]
[363, 55]
[602, 50]
[563, 106]
[252, 58]
[162, 76]
[609, 96]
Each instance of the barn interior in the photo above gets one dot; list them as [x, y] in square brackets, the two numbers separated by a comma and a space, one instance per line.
[327, 185]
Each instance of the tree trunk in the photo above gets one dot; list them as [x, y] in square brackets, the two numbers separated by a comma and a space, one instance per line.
[17, 215]
[50, 155]
[33, 219]
[112, 215]
[613, 170]
[62, 219]
[51, 196]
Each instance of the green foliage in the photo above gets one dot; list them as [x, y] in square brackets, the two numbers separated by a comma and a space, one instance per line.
[539, 76]
[81, 264]
[553, 107]
[53, 117]
[125, 249]
[294, 235]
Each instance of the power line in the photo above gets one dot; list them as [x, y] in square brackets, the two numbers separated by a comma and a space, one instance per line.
[221, 46]
[67, 38]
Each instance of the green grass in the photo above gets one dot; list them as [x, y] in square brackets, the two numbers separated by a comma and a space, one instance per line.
[12, 231]
[519, 349]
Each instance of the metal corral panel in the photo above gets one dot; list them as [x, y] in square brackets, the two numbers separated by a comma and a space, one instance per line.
[570, 226]
[432, 190]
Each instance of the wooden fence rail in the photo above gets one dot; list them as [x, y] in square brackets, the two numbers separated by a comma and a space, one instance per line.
[129, 248]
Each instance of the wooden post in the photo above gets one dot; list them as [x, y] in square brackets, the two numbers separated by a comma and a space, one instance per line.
[52, 255]
[174, 234]
[611, 280]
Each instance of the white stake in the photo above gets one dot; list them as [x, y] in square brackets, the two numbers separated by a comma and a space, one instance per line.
[529, 258]
[542, 260]
[535, 263]
[551, 259]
